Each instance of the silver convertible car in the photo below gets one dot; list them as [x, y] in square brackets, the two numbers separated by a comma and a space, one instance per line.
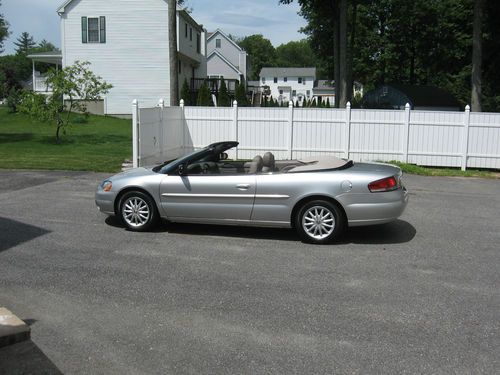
[318, 196]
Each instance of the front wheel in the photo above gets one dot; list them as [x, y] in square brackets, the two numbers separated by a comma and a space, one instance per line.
[138, 211]
[319, 222]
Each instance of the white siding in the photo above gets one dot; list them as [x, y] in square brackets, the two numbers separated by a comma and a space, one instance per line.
[134, 58]
[292, 82]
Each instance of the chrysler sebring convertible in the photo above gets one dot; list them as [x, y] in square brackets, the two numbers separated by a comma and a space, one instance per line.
[318, 196]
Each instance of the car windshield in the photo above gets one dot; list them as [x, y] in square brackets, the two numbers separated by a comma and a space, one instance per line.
[172, 164]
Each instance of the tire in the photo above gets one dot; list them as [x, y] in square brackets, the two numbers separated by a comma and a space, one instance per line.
[319, 222]
[138, 211]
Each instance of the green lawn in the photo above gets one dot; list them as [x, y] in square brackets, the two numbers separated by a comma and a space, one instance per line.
[99, 145]
[450, 172]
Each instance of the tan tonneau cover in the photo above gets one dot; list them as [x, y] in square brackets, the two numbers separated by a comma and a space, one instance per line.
[317, 163]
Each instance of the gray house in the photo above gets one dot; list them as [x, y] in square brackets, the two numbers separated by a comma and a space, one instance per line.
[225, 58]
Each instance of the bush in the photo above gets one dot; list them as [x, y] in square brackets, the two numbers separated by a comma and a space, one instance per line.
[13, 100]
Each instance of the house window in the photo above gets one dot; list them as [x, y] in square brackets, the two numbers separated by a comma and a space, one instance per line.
[285, 79]
[93, 29]
[186, 30]
[275, 79]
[304, 80]
[281, 92]
[198, 43]
[300, 80]
[385, 90]
[308, 93]
[264, 80]
[190, 33]
[294, 93]
[217, 43]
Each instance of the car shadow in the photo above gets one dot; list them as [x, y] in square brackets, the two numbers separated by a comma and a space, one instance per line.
[13, 233]
[398, 231]
[26, 358]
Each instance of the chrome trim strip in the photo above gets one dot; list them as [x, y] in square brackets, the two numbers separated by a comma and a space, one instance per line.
[184, 195]
[262, 196]
[272, 196]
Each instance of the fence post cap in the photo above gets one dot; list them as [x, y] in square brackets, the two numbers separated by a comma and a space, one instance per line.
[235, 103]
[467, 107]
[134, 102]
[348, 105]
[407, 106]
[181, 103]
[161, 102]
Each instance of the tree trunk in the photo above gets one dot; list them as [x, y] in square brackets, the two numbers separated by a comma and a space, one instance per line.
[172, 49]
[343, 52]
[350, 52]
[336, 52]
[477, 56]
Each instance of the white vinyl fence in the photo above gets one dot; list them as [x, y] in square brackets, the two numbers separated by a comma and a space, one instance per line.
[432, 138]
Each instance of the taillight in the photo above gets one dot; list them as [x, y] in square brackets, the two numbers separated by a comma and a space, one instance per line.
[385, 184]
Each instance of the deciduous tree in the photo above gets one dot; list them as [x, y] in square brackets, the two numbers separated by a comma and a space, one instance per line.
[72, 88]
[4, 30]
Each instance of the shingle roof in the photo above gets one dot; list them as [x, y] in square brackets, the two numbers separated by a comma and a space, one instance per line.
[287, 72]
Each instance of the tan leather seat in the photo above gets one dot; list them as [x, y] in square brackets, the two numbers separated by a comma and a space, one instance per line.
[269, 163]
[256, 165]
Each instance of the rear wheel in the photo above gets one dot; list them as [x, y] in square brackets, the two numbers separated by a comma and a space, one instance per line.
[319, 222]
[138, 211]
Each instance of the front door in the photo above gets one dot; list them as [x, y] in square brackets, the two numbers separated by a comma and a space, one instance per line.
[217, 197]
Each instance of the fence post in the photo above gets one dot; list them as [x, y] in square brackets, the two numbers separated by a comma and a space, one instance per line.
[135, 133]
[347, 129]
[184, 125]
[235, 126]
[290, 122]
[406, 132]
[465, 137]
[161, 104]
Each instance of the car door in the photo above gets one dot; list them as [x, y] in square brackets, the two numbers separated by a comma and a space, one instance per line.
[212, 197]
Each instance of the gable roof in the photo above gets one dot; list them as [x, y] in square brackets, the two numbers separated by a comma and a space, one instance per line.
[219, 31]
[61, 8]
[287, 72]
[231, 65]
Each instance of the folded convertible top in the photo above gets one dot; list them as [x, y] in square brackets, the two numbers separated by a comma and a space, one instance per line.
[321, 162]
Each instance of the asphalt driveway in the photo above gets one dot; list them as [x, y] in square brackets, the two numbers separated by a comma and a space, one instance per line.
[420, 295]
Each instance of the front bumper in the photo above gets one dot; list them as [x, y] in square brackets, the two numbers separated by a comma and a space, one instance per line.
[105, 202]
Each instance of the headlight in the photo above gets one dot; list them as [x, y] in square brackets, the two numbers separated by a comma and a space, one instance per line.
[106, 185]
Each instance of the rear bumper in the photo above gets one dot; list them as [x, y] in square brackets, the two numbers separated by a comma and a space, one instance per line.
[389, 207]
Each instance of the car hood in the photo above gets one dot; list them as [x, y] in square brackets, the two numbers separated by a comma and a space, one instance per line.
[135, 172]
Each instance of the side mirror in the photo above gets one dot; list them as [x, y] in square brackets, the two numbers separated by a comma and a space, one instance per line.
[182, 170]
[223, 156]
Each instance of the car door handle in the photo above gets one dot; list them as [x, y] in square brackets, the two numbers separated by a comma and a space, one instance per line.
[243, 186]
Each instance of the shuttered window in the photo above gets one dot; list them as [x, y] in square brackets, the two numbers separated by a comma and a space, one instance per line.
[94, 29]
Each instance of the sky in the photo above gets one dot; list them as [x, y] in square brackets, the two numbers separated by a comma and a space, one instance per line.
[278, 23]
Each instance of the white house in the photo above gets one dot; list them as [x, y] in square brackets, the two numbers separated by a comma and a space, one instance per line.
[225, 58]
[287, 84]
[127, 44]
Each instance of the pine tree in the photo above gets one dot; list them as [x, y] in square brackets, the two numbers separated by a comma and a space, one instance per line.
[25, 43]
[241, 94]
[223, 100]
[186, 93]
[204, 95]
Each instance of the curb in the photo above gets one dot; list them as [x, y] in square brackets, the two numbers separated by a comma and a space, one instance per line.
[12, 329]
